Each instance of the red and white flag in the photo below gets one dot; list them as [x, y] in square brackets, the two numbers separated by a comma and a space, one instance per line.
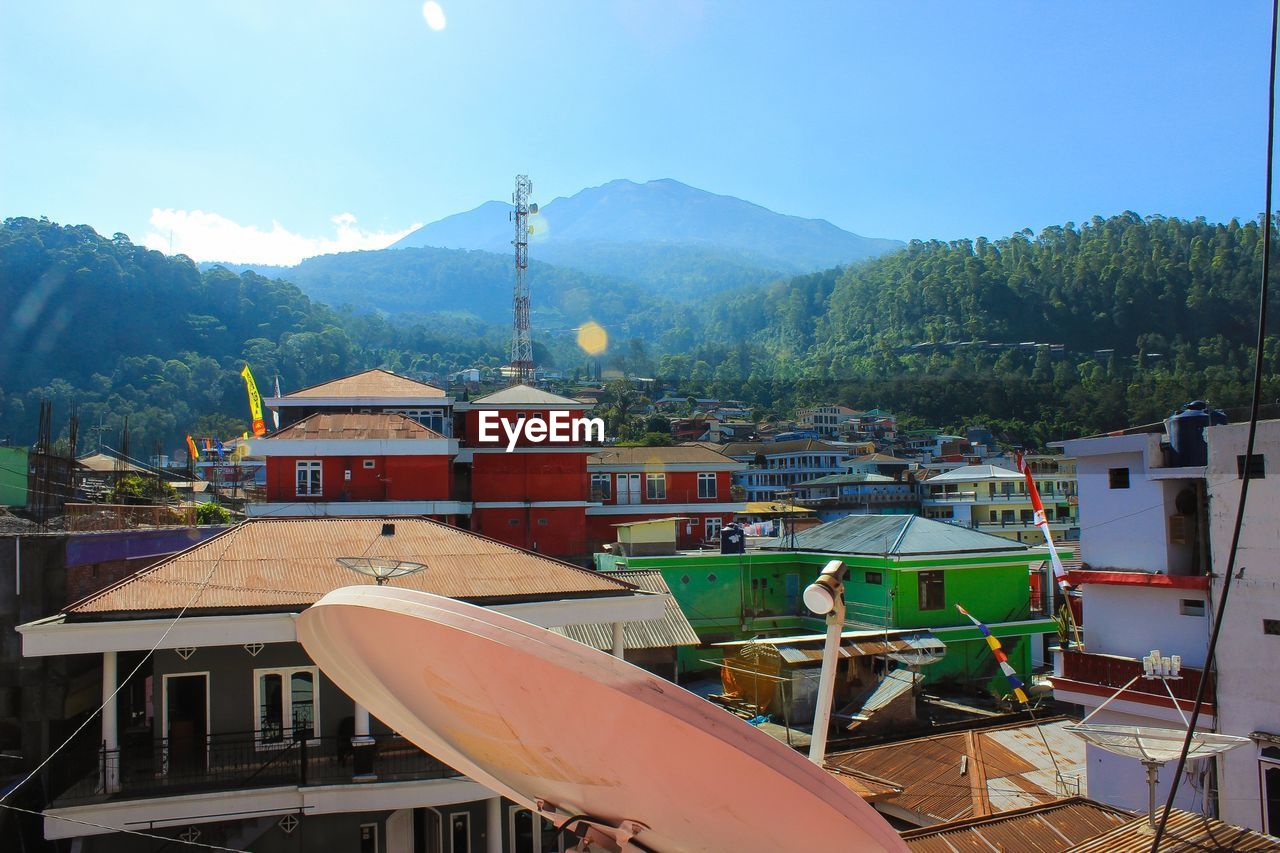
[1042, 521]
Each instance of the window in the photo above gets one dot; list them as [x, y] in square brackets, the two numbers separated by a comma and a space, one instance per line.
[542, 522]
[711, 528]
[655, 487]
[1257, 466]
[601, 487]
[368, 838]
[369, 463]
[432, 419]
[310, 480]
[706, 485]
[1271, 626]
[286, 704]
[1118, 478]
[932, 591]
[1191, 607]
[875, 577]
[460, 832]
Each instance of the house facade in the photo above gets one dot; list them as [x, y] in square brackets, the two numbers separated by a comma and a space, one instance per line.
[777, 466]
[230, 735]
[995, 500]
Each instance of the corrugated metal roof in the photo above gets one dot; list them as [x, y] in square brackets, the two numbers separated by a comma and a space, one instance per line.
[101, 463]
[939, 774]
[1046, 828]
[370, 383]
[879, 458]
[673, 629]
[900, 535]
[680, 454]
[769, 507]
[289, 563]
[356, 425]
[870, 788]
[846, 480]
[774, 448]
[1185, 832]
[974, 474]
[892, 686]
[523, 395]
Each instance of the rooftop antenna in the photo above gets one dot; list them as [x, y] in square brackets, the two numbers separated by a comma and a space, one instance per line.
[1154, 746]
[521, 344]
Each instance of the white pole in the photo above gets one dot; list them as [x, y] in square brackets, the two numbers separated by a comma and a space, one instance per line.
[110, 739]
[493, 824]
[827, 681]
[619, 644]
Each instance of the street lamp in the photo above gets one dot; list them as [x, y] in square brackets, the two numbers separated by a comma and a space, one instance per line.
[825, 597]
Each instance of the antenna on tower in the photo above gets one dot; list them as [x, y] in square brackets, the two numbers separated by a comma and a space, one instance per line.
[521, 344]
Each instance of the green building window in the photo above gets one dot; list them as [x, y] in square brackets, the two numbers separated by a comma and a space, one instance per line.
[932, 591]
[875, 577]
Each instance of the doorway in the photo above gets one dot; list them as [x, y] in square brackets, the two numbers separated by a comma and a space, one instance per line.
[186, 721]
[628, 488]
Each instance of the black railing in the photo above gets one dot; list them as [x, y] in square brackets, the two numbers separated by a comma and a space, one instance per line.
[245, 760]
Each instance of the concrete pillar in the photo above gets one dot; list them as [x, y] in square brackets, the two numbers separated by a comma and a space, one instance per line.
[362, 747]
[110, 725]
[619, 644]
[493, 825]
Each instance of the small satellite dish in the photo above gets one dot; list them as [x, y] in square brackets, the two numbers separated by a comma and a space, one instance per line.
[533, 208]
[594, 744]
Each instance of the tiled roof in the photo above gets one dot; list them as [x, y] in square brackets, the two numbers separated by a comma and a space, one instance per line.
[1037, 829]
[1185, 832]
[941, 776]
[523, 395]
[773, 448]
[362, 425]
[673, 629]
[676, 455]
[288, 564]
[370, 383]
[900, 535]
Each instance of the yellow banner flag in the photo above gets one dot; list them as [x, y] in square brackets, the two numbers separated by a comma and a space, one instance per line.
[255, 402]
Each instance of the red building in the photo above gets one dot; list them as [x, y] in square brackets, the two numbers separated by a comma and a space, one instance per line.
[376, 444]
[638, 483]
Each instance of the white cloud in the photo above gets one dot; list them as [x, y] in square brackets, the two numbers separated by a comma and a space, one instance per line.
[211, 237]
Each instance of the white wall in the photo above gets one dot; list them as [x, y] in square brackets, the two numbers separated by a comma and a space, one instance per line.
[1248, 660]
[1132, 620]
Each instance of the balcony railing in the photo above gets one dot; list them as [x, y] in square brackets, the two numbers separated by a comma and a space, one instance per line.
[1114, 672]
[244, 760]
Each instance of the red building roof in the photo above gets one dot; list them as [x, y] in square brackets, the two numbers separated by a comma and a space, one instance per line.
[361, 425]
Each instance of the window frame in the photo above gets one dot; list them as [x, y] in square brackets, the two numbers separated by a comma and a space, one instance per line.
[605, 491]
[925, 583]
[710, 493]
[286, 674]
[714, 521]
[1257, 467]
[655, 494]
[1118, 478]
[314, 485]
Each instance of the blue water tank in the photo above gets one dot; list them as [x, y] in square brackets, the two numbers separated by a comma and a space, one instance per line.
[1186, 433]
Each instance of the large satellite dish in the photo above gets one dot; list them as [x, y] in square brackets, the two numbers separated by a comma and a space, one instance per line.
[571, 732]
[1154, 745]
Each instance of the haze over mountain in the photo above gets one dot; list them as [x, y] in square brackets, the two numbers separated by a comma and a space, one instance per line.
[616, 228]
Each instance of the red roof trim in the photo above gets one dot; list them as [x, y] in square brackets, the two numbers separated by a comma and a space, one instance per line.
[1070, 684]
[1083, 576]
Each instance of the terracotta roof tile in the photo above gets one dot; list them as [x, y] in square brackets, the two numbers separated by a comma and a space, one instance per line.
[288, 564]
[360, 425]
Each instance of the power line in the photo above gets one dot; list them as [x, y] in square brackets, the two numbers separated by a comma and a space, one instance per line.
[1246, 477]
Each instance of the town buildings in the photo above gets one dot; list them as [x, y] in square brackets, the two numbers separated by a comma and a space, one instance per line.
[228, 734]
[995, 499]
[778, 466]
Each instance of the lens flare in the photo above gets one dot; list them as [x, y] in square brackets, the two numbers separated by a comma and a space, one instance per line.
[433, 15]
[592, 338]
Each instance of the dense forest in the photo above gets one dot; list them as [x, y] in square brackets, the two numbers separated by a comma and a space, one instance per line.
[1073, 331]
[1069, 332]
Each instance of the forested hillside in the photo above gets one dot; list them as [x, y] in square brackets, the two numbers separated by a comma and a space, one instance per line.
[117, 329]
[1148, 312]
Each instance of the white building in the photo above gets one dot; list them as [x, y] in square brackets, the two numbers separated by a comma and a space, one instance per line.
[1247, 661]
[1144, 587]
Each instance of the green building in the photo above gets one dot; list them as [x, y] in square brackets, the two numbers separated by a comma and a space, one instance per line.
[905, 572]
[13, 476]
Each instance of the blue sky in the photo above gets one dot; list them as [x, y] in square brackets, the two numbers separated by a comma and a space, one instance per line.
[301, 127]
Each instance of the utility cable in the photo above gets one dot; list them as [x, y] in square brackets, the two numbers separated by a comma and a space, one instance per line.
[1246, 476]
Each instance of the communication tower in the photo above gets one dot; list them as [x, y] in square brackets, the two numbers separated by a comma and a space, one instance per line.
[521, 344]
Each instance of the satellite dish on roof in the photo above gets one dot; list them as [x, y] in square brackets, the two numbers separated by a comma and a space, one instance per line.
[590, 742]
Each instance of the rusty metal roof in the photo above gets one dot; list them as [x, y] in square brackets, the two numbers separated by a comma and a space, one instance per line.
[1185, 832]
[522, 395]
[356, 425]
[870, 788]
[286, 564]
[976, 772]
[657, 456]
[673, 629]
[1048, 828]
[370, 383]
